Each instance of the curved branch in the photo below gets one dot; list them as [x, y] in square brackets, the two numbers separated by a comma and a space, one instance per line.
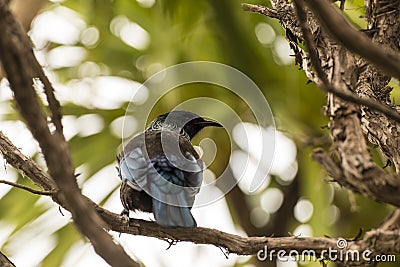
[21, 67]
[27, 188]
[354, 40]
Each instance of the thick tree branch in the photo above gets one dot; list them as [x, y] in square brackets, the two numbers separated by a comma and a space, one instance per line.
[374, 185]
[375, 188]
[335, 23]
[26, 11]
[324, 84]
[383, 23]
[16, 57]
[4, 261]
[382, 16]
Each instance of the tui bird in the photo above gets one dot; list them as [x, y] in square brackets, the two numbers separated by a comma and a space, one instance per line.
[160, 170]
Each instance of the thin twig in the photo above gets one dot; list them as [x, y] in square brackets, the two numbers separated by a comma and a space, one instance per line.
[266, 11]
[374, 105]
[24, 165]
[27, 188]
[392, 222]
[342, 4]
[309, 43]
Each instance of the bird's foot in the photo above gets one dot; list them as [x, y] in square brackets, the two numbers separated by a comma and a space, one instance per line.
[125, 219]
[125, 216]
[171, 242]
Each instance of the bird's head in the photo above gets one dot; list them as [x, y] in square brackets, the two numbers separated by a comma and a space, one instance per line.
[182, 122]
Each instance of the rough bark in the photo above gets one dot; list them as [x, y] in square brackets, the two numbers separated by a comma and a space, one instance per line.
[358, 96]
[5, 262]
[22, 68]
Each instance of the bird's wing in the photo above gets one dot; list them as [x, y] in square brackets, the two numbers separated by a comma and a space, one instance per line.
[133, 167]
[173, 190]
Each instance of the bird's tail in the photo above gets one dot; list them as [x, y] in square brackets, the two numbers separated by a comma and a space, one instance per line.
[169, 215]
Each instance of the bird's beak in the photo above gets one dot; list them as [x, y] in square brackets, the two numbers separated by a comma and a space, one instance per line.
[210, 123]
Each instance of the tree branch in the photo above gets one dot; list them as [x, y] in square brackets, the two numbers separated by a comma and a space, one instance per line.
[27, 188]
[17, 56]
[4, 261]
[355, 169]
[24, 165]
[375, 191]
[376, 239]
[263, 10]
[392, 222]
[324, 84]
[26, 11]
[382, 18]
[333, 22]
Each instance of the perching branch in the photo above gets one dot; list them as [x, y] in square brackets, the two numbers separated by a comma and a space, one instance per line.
[375, 239]
[21, 69]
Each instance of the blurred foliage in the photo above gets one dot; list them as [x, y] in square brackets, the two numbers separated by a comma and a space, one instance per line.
[210, 30]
